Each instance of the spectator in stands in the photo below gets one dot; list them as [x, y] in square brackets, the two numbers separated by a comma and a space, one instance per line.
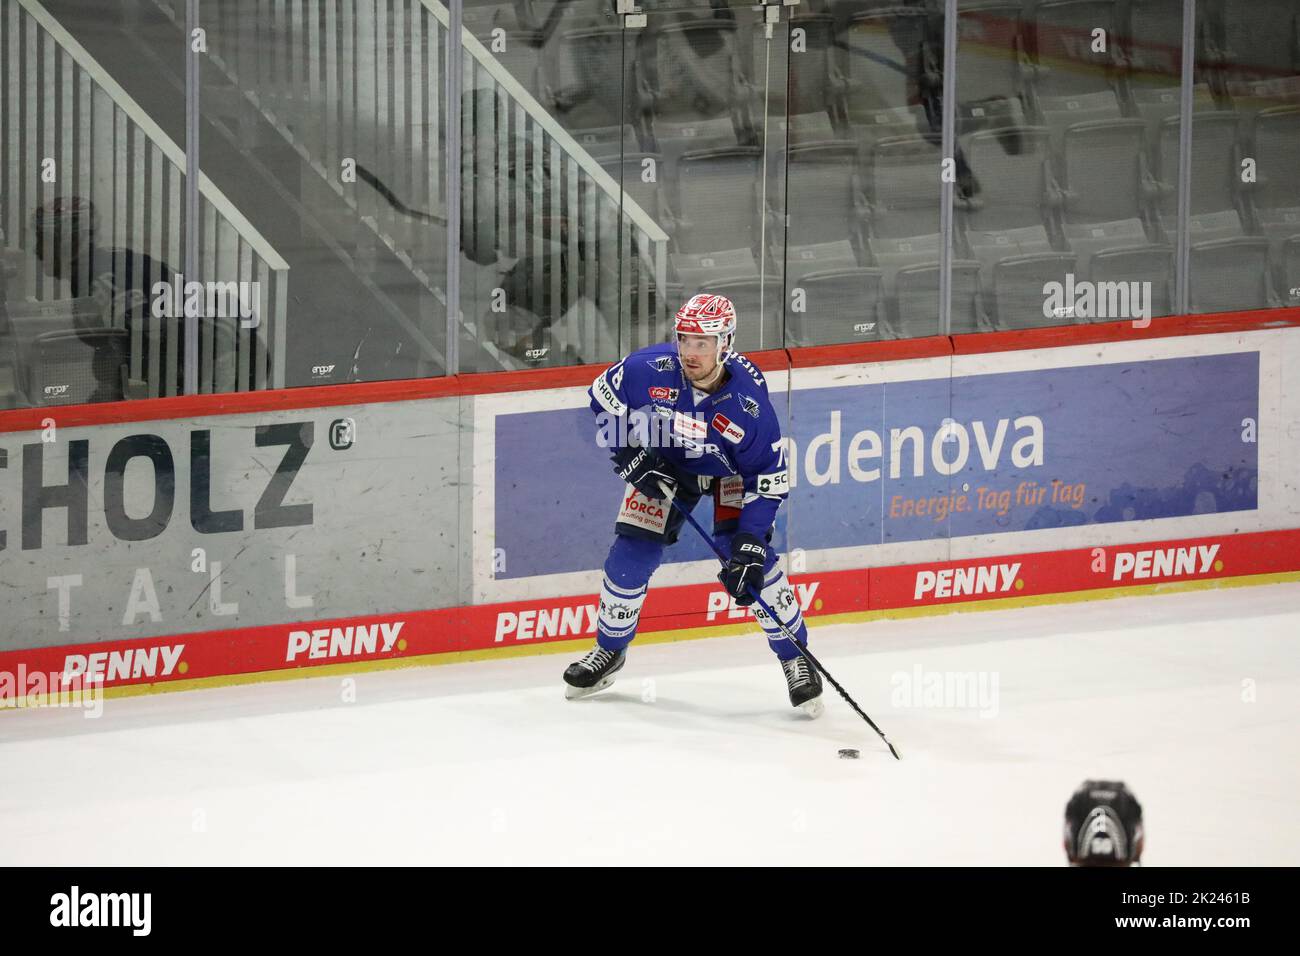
[119, 280]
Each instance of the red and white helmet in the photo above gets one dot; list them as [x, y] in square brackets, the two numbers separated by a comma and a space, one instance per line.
[708, 314]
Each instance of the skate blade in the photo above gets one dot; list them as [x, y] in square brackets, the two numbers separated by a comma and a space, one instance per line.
[577, 693]
[813, 708]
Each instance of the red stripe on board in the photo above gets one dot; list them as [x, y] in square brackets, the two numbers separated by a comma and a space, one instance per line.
[482, 383]
[1084, 569]
[203, 406]
[304, 645]
[891, 350]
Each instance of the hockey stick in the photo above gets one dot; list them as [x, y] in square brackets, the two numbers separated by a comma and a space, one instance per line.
[799, 646]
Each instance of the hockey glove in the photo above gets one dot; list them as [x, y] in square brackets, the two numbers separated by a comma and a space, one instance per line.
[644, 469]
[744, 572]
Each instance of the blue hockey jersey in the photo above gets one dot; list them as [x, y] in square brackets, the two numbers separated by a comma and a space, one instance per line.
[734, 431]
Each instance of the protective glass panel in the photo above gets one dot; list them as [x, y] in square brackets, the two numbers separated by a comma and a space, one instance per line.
[91, 201]
[1245, 218]
[1054, 188]
[322, 136]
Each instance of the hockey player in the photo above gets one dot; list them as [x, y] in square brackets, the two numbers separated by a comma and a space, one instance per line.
[689, 418]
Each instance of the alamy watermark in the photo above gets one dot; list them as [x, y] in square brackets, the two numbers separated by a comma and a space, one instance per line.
[31, 689]
[219, 300]
[133, 911]
[950, 690]
[659, 428]
[1098, 301]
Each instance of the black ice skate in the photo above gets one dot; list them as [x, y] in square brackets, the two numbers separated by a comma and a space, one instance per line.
[805, 686]
[594, 672]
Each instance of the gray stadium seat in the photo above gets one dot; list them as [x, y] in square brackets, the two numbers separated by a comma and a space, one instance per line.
[591, 83]
[1152, 44]
[896, 123]
[672, 140]
[840, 306]
[28, 321]
[1012, 169]
[1260, 53]
[690, 70]
[1102, 172]
[895, 254]
[822, 198]
[482, 16]
[815, 83]
[522, 56]
[535, 14]
[1154, 106]
[1259, 95]
[717, 205]
[1276, 197]
[903, 188]
[695, 269]
[1153, 264]
[842, 11]
[72, 368]
[916, 301]
[1215, 169]
[1016, 292]
[1214, 225]
[628, 173]
[968, 313]
[803, 128]
[13, 272]
[989, 50]
[1062, 112]
[820, 257]
[989, 247]
[1089, 239]
[607, 142]
[991, 85]
[1059, 34]
[1290, 258]
[1230, 275]
[879, 50]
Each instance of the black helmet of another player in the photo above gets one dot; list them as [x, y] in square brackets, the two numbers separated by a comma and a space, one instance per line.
[1103, 825]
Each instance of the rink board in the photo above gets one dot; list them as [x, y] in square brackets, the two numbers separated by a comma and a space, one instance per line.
[342, 646]
[200, 539]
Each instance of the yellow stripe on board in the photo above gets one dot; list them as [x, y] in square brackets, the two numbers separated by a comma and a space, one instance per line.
[685, 634]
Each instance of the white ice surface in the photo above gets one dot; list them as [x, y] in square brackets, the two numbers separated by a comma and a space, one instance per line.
[694, 756]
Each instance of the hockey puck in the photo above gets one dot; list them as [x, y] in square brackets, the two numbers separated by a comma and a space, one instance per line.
[848, 754]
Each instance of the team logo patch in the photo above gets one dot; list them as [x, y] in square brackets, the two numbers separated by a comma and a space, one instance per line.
[664, 363]
[689, 426]
[731, 492]
[661, 394]
[642, 512]
[749, 405]
[728, 429]
[777, 483]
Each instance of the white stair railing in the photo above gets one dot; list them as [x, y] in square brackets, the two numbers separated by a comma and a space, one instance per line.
[59, 104]
[362, 81]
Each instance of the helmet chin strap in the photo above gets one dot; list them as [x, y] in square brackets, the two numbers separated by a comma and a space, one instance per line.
[713, 378]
